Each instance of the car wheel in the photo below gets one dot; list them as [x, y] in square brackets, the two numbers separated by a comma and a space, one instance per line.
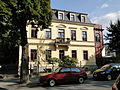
[109, 77]
[52, 82]
[81, 80]
[95, 79]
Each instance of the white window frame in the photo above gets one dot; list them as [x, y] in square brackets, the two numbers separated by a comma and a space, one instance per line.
[83, 18]
[72, 14]
[59, 13]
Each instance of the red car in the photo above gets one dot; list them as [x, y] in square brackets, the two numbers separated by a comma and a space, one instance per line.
[64, 75]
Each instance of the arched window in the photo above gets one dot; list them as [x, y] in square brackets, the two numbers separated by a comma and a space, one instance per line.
[97, 37]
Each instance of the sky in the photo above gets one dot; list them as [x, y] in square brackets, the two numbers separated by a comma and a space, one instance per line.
[99, 11]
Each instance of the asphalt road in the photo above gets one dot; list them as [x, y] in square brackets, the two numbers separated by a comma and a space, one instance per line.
[34, 85]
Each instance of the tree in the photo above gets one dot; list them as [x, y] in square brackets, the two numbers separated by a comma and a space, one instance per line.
[4, 25]
[40, 54]
[24, 12]
[68, 61]
[65, 62]
[7, 33]
[53, 61]
[113, 36]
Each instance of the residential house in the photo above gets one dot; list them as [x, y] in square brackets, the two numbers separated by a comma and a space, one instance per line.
[70, 33]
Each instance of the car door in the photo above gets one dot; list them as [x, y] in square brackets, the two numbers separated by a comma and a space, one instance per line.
[75, 73]
[64, 75]
[115, 71]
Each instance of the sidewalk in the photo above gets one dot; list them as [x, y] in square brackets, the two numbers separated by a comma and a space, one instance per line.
[11, 82]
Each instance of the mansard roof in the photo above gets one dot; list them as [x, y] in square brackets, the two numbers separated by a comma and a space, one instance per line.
[67, 16]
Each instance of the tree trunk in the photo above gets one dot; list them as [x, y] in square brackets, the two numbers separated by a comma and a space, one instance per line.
[24, 74]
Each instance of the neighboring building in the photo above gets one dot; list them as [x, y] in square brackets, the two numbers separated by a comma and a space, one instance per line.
[99, 45]
[107, 53]
[70, 34]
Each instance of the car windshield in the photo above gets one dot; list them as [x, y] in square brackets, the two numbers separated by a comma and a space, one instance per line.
[105, 67]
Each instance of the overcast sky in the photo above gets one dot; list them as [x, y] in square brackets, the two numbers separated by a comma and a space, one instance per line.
[99, 11]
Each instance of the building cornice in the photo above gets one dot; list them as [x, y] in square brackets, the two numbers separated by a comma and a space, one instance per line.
[54, 44]
[73, 23]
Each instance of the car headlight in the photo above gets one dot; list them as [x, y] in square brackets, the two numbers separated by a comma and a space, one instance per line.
[102, 72]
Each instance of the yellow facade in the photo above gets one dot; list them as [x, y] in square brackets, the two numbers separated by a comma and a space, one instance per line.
[77, 44]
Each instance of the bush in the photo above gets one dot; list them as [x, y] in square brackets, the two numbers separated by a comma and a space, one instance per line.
[68, 61]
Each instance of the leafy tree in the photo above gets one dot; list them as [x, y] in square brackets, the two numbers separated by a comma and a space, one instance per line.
[23, 12]
[7, 34]
[4, 23]
[53, 61]
[65, 62]
[68, 61]
[113, 36]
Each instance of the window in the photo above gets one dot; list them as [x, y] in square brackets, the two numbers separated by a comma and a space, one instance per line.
[83, 19]
[72, 17]
[97, 37]
[61, 33]
[73, 35]
[33, 54]
[74, 54]
[84, 35]
[60, 16]
[48, 33]
[61, 54]
[64, 70]
[48, 54]
[33, 33]
[75, 70]
[85, 55]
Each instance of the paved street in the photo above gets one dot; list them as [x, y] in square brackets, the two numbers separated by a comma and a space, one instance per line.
[34, 85]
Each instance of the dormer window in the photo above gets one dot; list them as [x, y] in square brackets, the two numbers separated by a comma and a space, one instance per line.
[83, 19]
[72, 17]
[60, 15]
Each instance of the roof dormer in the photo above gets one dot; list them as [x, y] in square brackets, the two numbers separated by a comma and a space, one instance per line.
[72, 17]
[83, 18]
[60, 15]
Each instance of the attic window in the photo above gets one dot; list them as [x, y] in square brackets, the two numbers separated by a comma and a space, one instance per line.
[83, 19]
[60, 15]
[72, 17]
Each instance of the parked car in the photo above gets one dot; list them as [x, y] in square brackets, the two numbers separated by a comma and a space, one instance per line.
[116, 85]
[64, 75]
[108, 71]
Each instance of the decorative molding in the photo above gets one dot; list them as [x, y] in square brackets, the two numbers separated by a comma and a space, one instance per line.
[72, 28]
[61, 26]
[84, 28]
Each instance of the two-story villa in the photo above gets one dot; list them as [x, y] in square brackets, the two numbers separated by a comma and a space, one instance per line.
[70, 33]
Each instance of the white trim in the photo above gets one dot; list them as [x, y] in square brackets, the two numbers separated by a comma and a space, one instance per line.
[72, 14]
[59, 12]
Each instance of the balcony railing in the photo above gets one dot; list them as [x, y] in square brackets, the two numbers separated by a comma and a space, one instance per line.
[62, 40]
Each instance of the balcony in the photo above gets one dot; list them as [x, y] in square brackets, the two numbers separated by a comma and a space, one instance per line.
[62, 41]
